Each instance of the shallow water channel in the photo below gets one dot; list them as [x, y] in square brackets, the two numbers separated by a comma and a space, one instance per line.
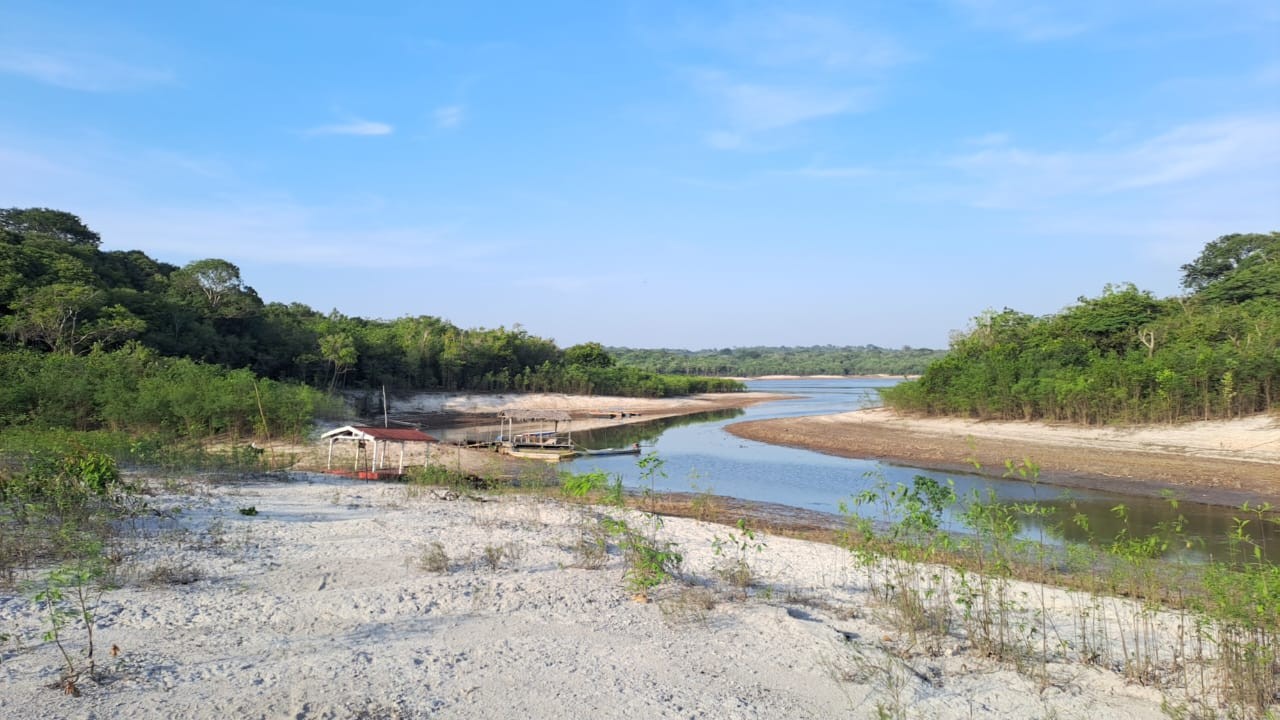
[699, 455]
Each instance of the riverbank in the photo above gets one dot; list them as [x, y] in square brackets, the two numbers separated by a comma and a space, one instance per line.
[478, 413]
[1224, 462]
[339, 598]
[479, 409]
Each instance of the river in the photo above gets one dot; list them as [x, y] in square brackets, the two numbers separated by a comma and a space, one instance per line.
[698, 455]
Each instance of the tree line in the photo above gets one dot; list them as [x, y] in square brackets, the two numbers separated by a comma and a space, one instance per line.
[1126, 355]
[121, 321]
[757, 361]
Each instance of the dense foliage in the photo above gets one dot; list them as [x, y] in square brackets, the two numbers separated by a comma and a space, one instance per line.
[136, 391]
[1125, 356]
[757, 361]
[95, 339]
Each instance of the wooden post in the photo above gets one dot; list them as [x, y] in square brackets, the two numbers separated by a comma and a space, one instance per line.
[328, 463]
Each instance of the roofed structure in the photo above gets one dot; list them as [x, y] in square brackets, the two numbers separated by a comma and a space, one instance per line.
[549, 434]
[362, 432]
[361, 435]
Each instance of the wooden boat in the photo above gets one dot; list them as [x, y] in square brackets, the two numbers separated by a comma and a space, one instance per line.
[538, 453]
[633, 450]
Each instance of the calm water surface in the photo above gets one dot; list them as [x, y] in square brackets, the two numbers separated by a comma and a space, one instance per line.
[698, 454]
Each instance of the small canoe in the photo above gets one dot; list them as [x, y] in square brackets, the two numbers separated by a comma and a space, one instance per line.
[634, 450]
[547, 454]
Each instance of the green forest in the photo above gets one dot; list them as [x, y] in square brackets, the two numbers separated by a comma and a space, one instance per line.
[1124, 356]
[757, 361]
[94, 339]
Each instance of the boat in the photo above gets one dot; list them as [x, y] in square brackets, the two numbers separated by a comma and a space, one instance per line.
[537, 453]
[633, 450]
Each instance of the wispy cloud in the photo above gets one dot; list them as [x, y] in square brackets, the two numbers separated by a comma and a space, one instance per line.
[86, 72]
[1027, 20]
[1013, 177]
[752, 108]
[773, 70]
[450, 116]
[790, 39]
[365, 128]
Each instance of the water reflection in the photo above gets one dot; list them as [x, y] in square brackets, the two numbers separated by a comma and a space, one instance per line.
[646, 433]
[699, 455]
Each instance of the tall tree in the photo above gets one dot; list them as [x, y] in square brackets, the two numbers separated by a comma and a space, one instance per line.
[1236, 267]
[216, 286]
[588, 354]
[339, 350]
[26, 222]
[69, 318]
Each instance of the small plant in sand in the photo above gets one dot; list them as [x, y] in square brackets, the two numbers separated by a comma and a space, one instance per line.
[51, 505]
[734, 555]
[899, 560]
[579, 486]
[704, 502]
[689, 605]
[248, 511]
[433, 558]
[614, 496]
[435, 474]
[652, 468]
[172, 572]
[68, 596]
[1243, 610]
[495, 557]
[591, 547]
[650, 562]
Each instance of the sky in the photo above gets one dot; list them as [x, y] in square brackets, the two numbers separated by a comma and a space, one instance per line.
[652, 173]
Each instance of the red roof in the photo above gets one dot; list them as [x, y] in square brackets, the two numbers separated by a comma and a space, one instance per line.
[398, 434]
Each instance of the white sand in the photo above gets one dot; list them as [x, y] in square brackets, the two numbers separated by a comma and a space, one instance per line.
[317, 608]
[1255, 438]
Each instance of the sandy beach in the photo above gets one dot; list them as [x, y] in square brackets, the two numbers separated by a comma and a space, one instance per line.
[322, 606]
[1221, 462]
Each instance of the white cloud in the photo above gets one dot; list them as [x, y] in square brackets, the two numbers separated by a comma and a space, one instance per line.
[749, 109]
[81, 71]
[450, 116]
[811, 42]
[1239, 150]
[773, 70]
[364, 128]
[1028, 20]
[762, 107]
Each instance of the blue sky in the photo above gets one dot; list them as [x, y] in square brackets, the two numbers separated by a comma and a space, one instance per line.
[655, 174]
